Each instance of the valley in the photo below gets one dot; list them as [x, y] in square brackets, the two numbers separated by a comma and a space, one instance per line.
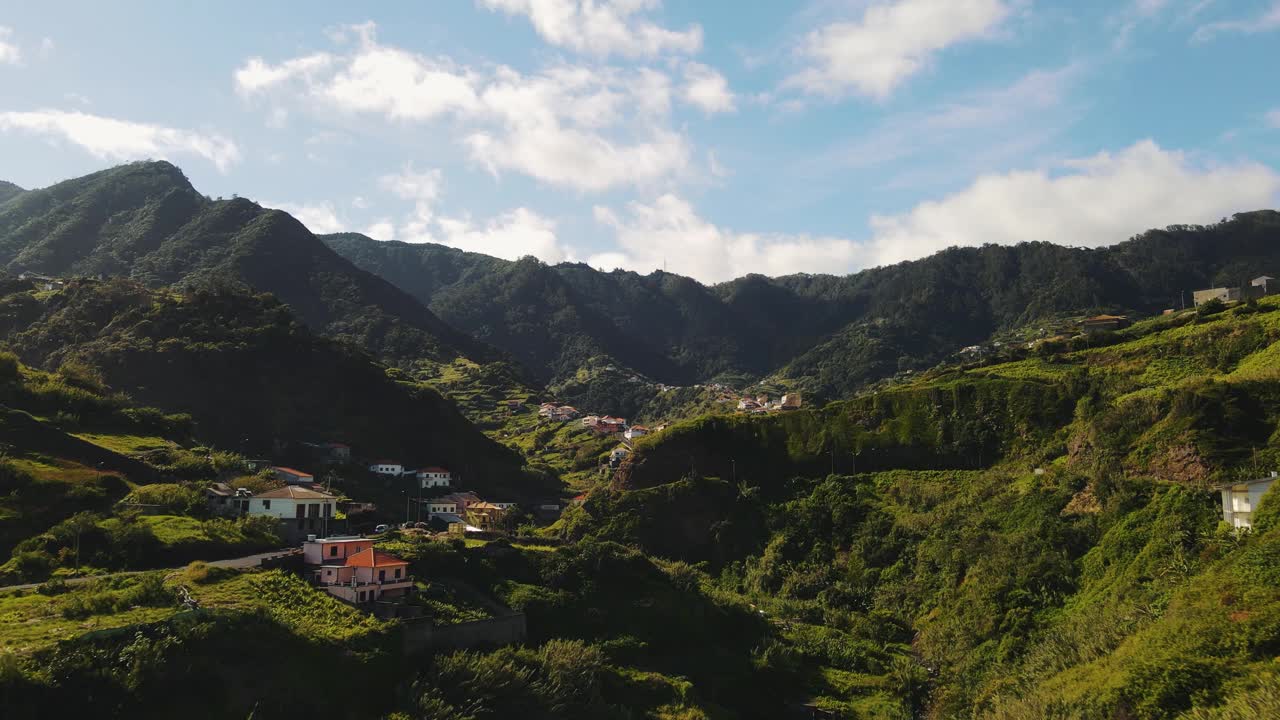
[999, 488]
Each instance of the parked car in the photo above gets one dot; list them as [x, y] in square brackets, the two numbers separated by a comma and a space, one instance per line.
[381, 529]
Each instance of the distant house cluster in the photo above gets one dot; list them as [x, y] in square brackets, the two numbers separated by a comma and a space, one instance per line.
[558, 413]
[762, 404]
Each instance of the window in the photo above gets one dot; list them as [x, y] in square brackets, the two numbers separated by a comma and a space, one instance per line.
[397, 573]
[266, 504]
[333, 551]
[382, 575]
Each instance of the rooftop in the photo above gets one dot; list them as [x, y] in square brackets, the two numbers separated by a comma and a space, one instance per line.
[374, 558]
[295, 492]
[291, 471]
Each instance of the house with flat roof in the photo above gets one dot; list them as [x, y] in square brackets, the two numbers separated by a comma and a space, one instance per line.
[1240, 500]
[432, 477]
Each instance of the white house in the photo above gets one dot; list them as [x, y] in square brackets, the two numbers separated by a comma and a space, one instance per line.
[387, 467]
[442, 507]
[310, 509]
[433, 477]
[1240, 500]
[635, 431]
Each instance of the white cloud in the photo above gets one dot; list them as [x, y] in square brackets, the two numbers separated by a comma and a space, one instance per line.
[277, 118]
[1273, 118]
[400, 85]
[1268, 21]
[112, 139]
[412, 185]
[892, 42]
[511, 236]
[320, 219]
[1092, 201]
[706, 88]
[257, 76]
[668, 233]
[47, 46]
[589, 129]
[383, 229]
[359, 203]
[601, 27]
[10, 54]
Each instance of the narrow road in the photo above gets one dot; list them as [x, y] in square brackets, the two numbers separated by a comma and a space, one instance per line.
[240, 563]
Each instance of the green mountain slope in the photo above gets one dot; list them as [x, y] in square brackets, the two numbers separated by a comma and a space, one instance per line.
[147, 222]
[1041, 528]
[254, 380]
[825, 334]
[9, 191]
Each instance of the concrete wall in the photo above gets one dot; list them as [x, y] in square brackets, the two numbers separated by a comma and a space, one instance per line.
[420, 635]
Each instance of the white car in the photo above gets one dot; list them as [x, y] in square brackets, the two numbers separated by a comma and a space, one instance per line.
[381, 529]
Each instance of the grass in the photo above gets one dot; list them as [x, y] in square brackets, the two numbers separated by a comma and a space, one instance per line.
[124, 443]
[30, 621]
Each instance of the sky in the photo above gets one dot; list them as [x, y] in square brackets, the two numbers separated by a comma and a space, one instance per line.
[711, 138]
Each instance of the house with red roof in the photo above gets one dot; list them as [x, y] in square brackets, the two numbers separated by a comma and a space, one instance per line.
[351, 569]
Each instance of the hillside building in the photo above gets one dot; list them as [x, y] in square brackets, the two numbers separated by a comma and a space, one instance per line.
[1103, 323]
[291, 476]
[434, 477]
[1240, 500]
[387, 467]
[1224, 294]
[299, 509]
[351, 569]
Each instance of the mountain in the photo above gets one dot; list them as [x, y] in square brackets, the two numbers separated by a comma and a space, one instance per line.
[825, 334]
[145, 221]
[254, 380]
[8, 191]
[1043, 532]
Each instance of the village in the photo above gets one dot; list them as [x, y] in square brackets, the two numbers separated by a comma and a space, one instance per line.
[333, 537]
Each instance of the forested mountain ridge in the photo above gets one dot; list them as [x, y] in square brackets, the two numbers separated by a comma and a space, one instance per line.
[1043, 531]
[9, 190]
[254, 379]
[826, 334]
[145, 221]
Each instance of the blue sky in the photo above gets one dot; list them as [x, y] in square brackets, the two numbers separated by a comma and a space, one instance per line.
[710, 138]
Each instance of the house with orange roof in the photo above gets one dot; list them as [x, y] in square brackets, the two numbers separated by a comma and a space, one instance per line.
[351, 569]
[291, 476]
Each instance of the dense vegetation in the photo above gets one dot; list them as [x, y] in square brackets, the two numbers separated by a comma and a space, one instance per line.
[1038, 528]
[265, 382]
[826, 334]
[145, 221]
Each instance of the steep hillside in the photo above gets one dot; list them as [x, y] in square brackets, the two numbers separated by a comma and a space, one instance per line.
[827, 335]
[253, 379]
[145, 221]
[1041, 528]
[8, 191]
[554, 319]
